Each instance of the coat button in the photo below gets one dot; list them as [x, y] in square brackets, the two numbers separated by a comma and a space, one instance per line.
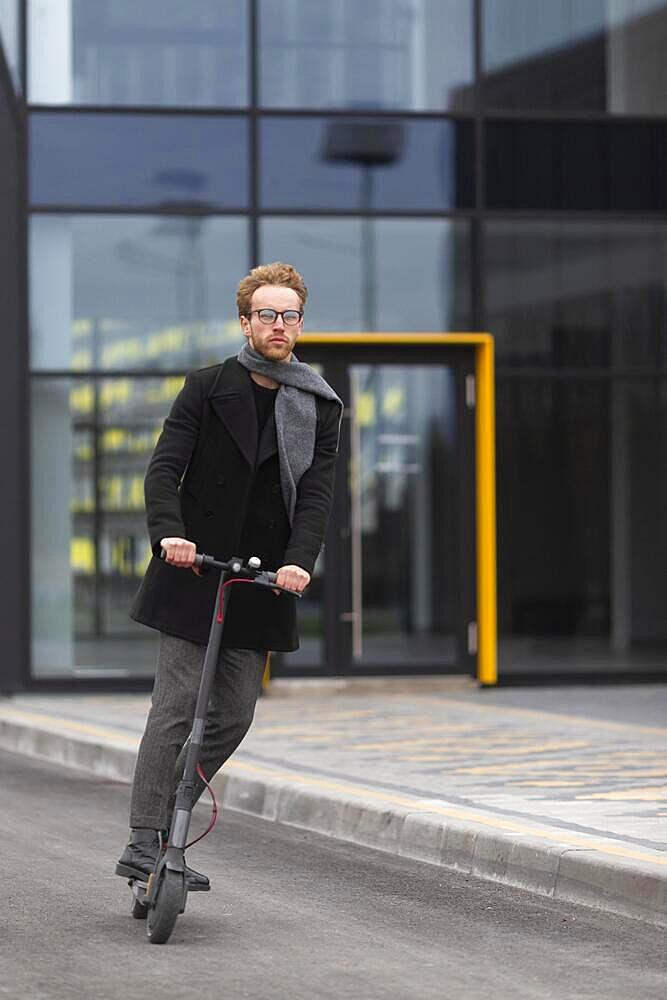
[275, 488]
[210, 513]
[272, 524]
[220, 481]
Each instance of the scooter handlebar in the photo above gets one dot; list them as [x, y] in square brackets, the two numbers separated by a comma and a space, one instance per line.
[260, 577]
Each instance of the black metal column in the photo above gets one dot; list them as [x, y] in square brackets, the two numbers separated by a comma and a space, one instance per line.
[14, 406]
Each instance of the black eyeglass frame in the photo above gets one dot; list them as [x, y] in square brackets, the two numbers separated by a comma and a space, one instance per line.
[277, 314]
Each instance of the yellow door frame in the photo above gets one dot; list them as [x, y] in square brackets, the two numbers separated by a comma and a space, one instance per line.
[485, 471]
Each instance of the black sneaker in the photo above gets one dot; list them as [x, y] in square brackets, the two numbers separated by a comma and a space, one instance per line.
[139, 857]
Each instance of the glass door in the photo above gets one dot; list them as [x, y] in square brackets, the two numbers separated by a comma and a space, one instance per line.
[407, 588]
[394, 590]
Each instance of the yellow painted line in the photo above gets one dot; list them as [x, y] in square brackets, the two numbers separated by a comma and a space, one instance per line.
[451, 812]
[575, 720]
[648, 794]
[413, 803]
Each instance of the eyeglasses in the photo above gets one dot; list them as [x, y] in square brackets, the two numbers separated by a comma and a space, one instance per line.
[268, 316]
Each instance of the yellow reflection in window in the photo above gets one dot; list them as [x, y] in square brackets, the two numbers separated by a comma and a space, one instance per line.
[165, 389]
[135, 493]
[113, 439]
[365, 409]
[81, 360]
[82, 555]
[115, 391]
[81, 399]
[393, 402]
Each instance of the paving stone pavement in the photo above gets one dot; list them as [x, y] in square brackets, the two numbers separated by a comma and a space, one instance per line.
[425, 771]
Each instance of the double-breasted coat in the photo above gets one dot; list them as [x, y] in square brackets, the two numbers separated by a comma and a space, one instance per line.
[213, 480]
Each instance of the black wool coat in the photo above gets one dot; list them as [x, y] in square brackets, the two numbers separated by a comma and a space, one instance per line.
[212, 481]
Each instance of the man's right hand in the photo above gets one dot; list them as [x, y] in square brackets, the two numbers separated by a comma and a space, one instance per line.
[180, 552]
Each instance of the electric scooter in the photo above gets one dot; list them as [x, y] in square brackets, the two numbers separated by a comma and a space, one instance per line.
[160, 899]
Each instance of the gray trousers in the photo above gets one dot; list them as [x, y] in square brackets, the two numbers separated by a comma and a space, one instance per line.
[163, 747]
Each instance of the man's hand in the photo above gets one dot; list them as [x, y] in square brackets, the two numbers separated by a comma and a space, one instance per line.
[293, 577]
[180, 552]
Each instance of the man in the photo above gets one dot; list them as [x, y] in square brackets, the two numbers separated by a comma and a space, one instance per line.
[244, 466]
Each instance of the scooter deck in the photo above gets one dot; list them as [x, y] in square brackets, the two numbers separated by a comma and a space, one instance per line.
[137, 875]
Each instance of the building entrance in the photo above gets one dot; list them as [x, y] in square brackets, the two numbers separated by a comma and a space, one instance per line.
[394, 591]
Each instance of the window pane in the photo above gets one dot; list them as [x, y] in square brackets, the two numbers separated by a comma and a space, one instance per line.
[195, 163]
[585, 458]
[570, 294]
[376, 54]
[389, 274]
[403, 485]
[592, 55]
[160, 52]
[577, 166]
[363, 165]
[145, 292]
[91, 442]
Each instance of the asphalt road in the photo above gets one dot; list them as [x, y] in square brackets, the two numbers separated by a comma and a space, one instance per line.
[292, 915]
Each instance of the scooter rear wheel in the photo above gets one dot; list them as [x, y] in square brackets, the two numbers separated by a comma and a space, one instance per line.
[161, 917]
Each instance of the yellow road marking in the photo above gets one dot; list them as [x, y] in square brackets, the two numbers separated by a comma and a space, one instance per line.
[649, 794]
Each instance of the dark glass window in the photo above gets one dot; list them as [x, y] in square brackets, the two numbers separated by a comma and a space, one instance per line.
[183, 163]
[377, 274]
[385, 54]
[553, 507]
[589, 55]
[577, 294]
[582, 538]
[157, 52]
[576, 166]
[134, 292]
[362, 164]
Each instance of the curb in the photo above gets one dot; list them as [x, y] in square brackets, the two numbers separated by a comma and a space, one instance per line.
[548, 867]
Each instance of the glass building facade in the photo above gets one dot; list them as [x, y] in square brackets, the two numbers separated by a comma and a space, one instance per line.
[430, 165]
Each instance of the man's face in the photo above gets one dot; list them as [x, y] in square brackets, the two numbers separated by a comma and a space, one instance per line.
[275, 340]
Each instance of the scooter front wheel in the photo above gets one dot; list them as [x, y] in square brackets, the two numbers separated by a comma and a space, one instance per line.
[169, 902]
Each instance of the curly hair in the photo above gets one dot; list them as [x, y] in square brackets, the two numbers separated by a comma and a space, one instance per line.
[269, 274]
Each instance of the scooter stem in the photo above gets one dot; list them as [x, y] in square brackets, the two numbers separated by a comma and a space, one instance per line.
[180, 825]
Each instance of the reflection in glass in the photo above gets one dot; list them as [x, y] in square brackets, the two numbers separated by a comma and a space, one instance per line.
[139, 292]
[403, 514]
[91, 443]
[192, 163]
[578, 294]
[414, 55]
[384, 274]
[367, 164]
[158, 52]
[592, 55]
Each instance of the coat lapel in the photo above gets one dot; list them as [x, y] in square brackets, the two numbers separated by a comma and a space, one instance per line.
[233, 403]
[268, 442]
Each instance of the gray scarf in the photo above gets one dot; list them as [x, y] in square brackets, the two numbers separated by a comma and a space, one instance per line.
[295, 415]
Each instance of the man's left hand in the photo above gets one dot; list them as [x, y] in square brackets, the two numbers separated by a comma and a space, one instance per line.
[293, 578]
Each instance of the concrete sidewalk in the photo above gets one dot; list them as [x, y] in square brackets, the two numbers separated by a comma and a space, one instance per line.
[570, 804]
